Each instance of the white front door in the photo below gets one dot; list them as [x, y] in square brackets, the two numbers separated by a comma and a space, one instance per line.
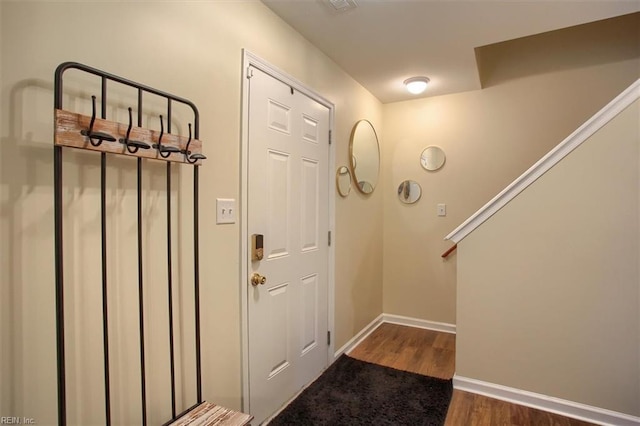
[288, 204]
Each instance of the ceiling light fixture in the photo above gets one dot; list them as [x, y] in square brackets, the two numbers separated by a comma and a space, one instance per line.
[416, 85]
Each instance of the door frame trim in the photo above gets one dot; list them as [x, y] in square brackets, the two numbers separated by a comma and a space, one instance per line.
[250, 59]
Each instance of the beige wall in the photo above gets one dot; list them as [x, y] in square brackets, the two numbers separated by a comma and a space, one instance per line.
[548, 287]
[490, 137]
[192, 49]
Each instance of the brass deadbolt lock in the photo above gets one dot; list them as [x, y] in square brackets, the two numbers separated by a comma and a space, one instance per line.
[257, 247]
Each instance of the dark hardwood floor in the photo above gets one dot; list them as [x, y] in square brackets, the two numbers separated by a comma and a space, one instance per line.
[432, 353]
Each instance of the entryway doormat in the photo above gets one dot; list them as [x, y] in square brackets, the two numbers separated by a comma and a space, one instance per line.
[353, 392]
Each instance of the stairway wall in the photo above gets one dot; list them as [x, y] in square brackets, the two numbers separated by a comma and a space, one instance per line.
[548, 288]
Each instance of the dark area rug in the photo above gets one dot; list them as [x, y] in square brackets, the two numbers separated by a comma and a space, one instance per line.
[353, 392]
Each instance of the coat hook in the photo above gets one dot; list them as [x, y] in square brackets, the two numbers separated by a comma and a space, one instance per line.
[132, 146]
[196, 157]
[191, 158]
[164, 150]
[186, 148]
[161, 132]
[100, 136]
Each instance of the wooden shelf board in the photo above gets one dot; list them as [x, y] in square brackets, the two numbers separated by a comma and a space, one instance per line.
[70, 124]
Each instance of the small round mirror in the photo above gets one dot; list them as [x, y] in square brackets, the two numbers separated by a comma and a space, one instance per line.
[365, 187]
[432, 158]
[409, 191]
[365, 156]
[343, 181]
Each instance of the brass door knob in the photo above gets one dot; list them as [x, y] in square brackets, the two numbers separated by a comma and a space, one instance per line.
[257, 279]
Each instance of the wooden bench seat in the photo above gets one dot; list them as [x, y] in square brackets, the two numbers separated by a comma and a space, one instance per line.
[208, 414]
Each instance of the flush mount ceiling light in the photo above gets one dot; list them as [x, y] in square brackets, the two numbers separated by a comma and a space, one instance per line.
[416, 85]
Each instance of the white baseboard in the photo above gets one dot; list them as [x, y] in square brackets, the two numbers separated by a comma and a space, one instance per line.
[359, 337]
[392, 319]
[419, 323]
[551, 404]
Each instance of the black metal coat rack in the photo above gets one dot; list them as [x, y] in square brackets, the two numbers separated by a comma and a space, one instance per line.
[110, 137]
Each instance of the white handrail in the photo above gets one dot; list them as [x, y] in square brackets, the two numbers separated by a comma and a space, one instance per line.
[574, 140]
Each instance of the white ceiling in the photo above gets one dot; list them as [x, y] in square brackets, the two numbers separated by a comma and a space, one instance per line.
[380, 43]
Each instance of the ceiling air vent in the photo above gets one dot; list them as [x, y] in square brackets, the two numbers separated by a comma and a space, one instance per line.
[340, 6]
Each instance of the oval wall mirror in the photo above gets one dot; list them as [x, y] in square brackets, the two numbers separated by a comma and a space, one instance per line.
[409, 191]
[432, 158]
[343, 181]
[365, 154]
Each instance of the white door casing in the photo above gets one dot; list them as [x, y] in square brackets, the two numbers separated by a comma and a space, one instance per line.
[288, 201]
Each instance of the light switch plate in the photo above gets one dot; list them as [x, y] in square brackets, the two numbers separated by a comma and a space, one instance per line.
[225, 210]
[442, 209]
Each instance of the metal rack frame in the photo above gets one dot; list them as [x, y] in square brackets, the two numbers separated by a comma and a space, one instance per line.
[99, 134]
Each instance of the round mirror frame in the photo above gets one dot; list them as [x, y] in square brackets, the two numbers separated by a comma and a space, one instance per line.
[426, 156]
[343, 181]
[409, 191]
[363, 186]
